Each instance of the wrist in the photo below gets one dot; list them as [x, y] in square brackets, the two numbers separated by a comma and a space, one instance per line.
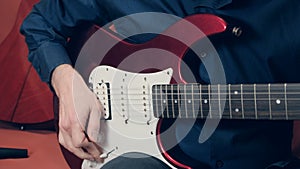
[62, 79]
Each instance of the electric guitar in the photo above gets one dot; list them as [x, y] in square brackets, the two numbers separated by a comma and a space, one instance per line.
[137, 100]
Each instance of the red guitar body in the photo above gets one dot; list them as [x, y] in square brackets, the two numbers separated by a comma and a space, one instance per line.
[168, 50]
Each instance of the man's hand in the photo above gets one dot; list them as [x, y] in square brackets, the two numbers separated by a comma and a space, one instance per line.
[79, 113]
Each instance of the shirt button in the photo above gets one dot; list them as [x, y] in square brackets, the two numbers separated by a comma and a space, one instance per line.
[219, 163]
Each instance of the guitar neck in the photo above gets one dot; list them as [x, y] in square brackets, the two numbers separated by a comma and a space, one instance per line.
[241, 101]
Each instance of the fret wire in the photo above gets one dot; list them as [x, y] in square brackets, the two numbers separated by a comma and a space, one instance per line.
[270, 106]
[229, 95]
[155, 88]
[167, 104]
[162, 101]
[201, 106]
[242, 102]
[285, 101]
[160, 112]
[209, 101]
[275, 102]
[219, 99]
[178, 101]
[185, 107]
[192, 88]
[255, 104]
[172, 100]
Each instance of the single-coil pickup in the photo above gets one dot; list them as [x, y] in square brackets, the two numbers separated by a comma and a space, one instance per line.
[103, 95]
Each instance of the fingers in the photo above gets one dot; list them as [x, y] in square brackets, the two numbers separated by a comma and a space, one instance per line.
[74, 139]
[81, 140]
[66, 140]
[93, 149]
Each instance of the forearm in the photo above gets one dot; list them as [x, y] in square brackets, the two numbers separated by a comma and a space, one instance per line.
[48, 27]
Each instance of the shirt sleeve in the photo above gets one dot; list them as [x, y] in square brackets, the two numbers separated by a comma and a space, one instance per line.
[50, 24]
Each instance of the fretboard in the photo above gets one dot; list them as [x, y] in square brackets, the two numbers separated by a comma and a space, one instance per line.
[242, 101]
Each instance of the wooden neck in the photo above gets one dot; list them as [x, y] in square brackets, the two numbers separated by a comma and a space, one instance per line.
[241, 101]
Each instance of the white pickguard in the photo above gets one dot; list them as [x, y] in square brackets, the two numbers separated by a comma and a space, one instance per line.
[132, 127]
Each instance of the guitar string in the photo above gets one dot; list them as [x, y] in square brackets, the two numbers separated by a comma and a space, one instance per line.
[245, 93]
[202, 91]
[204, 108]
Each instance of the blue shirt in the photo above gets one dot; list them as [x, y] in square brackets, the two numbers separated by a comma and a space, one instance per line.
[267, 53]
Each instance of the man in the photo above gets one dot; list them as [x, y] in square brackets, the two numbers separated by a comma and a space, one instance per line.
[268, 53]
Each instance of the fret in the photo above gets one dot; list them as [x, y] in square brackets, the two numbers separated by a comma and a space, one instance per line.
[197, 97]
[189, 101]
[214, 102]
[185, 100]
[162, 101]
[156, 101]
[277, 101]
[223, 100]
[269, 94]
[171, 100]
[249, 101]
[285, 102]
[192, 100]
[204, 102]
[219, 101]
[167, 101]
[229, 96]
[236, 104]
[201, 96]
[182, 101]
[175, 101]
[255, 101]
[262, 97]
[242, 102]
[293, 101]
[209, 100]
